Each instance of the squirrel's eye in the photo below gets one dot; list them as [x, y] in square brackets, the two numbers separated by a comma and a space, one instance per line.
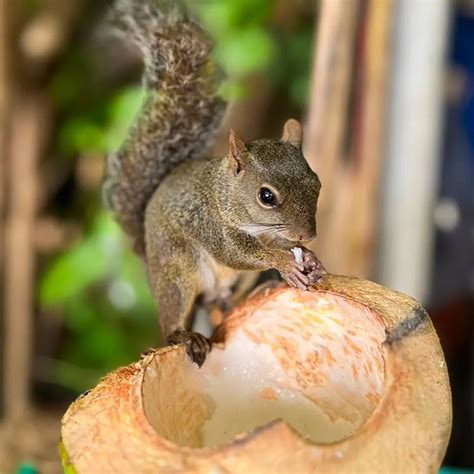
[267, 197]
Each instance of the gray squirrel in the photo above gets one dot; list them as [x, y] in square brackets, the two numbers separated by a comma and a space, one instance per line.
[199, 222]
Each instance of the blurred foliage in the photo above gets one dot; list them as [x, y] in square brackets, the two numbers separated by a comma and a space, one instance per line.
[108, 313]
[85, 134]
[97, 286]
[246, 43]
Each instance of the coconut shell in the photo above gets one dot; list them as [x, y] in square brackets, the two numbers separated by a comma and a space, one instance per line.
[143, 417]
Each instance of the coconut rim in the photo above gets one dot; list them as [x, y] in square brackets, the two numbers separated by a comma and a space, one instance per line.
[388, 305]
[248, 437]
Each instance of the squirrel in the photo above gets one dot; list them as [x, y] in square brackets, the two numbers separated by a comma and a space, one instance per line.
[199, 222]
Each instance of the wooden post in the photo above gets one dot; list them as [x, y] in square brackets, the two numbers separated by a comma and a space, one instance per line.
[327, 118]
[25, 119]
[413, 141]
[369, 139]
[28, 122]
[344, 139]
[5, 63]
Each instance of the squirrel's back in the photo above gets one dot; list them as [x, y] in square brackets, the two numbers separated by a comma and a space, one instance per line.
[180, 115]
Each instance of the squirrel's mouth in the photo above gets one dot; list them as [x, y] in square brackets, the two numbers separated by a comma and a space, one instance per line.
[299, 238]
[281, 241]
[278, 235]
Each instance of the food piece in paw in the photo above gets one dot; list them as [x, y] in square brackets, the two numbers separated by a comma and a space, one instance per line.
[298, 254]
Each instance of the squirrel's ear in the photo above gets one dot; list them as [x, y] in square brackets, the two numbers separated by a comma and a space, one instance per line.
[292, 133]
[237, 151]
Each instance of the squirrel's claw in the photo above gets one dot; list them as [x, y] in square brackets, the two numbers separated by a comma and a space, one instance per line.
[301, 280]
[316, 275]
[303, 275]
[296, 278]
[314, 269]
[312, 262]
[197, 345]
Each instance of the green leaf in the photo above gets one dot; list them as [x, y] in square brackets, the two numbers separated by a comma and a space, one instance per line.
[218, 17]
[228, 17]
[232, 91]
[85, 263]
[123, 110]
[80, 314]
[252, 50]
[133, 272]
[252, 12]
[81, 135]
[299, 91]
[72, 272]
[64, 89]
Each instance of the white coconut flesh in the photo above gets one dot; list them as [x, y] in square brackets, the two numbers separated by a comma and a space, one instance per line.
[312, 359]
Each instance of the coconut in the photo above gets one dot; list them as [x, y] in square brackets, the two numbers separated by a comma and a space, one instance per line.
[347, 377]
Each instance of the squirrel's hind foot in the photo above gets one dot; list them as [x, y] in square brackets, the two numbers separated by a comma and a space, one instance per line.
[197, 345]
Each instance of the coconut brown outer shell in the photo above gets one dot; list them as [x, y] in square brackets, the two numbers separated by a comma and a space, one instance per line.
[107, 430]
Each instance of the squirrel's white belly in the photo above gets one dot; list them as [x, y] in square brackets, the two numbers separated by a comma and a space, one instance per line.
[216, 280]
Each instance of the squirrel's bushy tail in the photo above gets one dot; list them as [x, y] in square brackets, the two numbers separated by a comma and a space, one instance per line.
[180, 115]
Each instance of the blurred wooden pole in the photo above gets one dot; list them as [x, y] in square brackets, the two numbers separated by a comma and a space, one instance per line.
[4, 90]
[326, 127]
[369, 149]
[28, 122]
[345, 129]
[331, 79]
[413, 141]
[5, 25]
[35, 45]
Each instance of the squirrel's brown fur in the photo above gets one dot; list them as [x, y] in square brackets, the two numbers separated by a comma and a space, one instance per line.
[181, 113]
[201, 222]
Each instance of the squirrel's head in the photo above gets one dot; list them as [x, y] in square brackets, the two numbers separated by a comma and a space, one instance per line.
[274, 192]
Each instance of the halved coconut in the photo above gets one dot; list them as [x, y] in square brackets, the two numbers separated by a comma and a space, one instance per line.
[348, 377]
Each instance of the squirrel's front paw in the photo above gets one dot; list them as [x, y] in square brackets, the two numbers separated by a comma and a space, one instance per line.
[197, 345]
[303, 270]
[294, 275]
[313, 268]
